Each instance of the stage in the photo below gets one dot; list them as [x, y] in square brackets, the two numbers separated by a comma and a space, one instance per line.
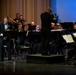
[45, 59]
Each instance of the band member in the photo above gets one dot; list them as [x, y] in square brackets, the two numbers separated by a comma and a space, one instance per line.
[17, 17]
[20, 38]
[32, 26]
[26, 30]
[55, 18]
[22, 20]
[74, 26]
[6, 26]
[46, 19]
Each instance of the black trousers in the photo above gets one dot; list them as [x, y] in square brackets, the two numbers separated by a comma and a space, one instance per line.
[1, 42]
[45, 39]
[8, 43]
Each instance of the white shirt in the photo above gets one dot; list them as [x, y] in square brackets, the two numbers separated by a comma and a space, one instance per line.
[5, 26]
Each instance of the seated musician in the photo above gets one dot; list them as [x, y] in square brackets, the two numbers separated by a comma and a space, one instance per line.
[74, 32]
[38, 28]
[36, 46]
[59, 26]
[19, 27]
[60, 40]
[19, 30]
[17, 18]
[57, 39]
[14, 22]
[32, 26]
[24, 23]
[6, 26]
[22, 20]
[52, 25]
[74, 27]
[20, 38]
[26, 29]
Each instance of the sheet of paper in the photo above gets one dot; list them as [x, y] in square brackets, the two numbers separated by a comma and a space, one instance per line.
[68, 38]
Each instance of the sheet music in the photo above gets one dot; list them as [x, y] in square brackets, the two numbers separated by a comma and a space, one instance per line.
[68, 38]
[57, 30]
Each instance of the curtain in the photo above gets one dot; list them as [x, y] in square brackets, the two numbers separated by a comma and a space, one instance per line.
[30, 9]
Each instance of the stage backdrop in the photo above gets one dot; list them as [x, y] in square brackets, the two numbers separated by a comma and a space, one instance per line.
[65, 9]
[30, 9]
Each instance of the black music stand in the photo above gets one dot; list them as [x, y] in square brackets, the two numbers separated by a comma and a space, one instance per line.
[21, 36]
[34, 40]
[57, 41]
[70, 47]
[31, 28]
[34, 37]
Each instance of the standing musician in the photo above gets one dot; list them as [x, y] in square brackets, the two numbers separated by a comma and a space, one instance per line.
[6, 26]
[46, 19]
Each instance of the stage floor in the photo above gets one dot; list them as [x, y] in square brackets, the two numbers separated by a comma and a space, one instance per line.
[21, 67]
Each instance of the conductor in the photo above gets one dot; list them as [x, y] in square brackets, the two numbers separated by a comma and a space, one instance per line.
[46, 19]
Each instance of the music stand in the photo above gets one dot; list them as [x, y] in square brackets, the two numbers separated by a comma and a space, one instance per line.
[34, 37]
[31, 28]
[70, 43]
[21, 36]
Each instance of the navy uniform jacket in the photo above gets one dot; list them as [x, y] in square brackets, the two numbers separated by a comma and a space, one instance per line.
[2, 27]
[46, 19]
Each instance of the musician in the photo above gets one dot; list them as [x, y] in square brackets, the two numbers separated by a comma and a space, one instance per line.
[60, 42]
[17, 20]
[22, 20]
[6, 26]
[32, 26]
[53, 25]
[46, 19]
[17, 17]
[36, 46]
[19, 39]
[26, 29]
[74, 32]
[59, 26]
[14, 23]
[74, 27]
[38, 28]
[55, 18]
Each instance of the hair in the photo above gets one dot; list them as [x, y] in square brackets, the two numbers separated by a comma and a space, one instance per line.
[49, 9]
[17, 13]
[6, 17]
